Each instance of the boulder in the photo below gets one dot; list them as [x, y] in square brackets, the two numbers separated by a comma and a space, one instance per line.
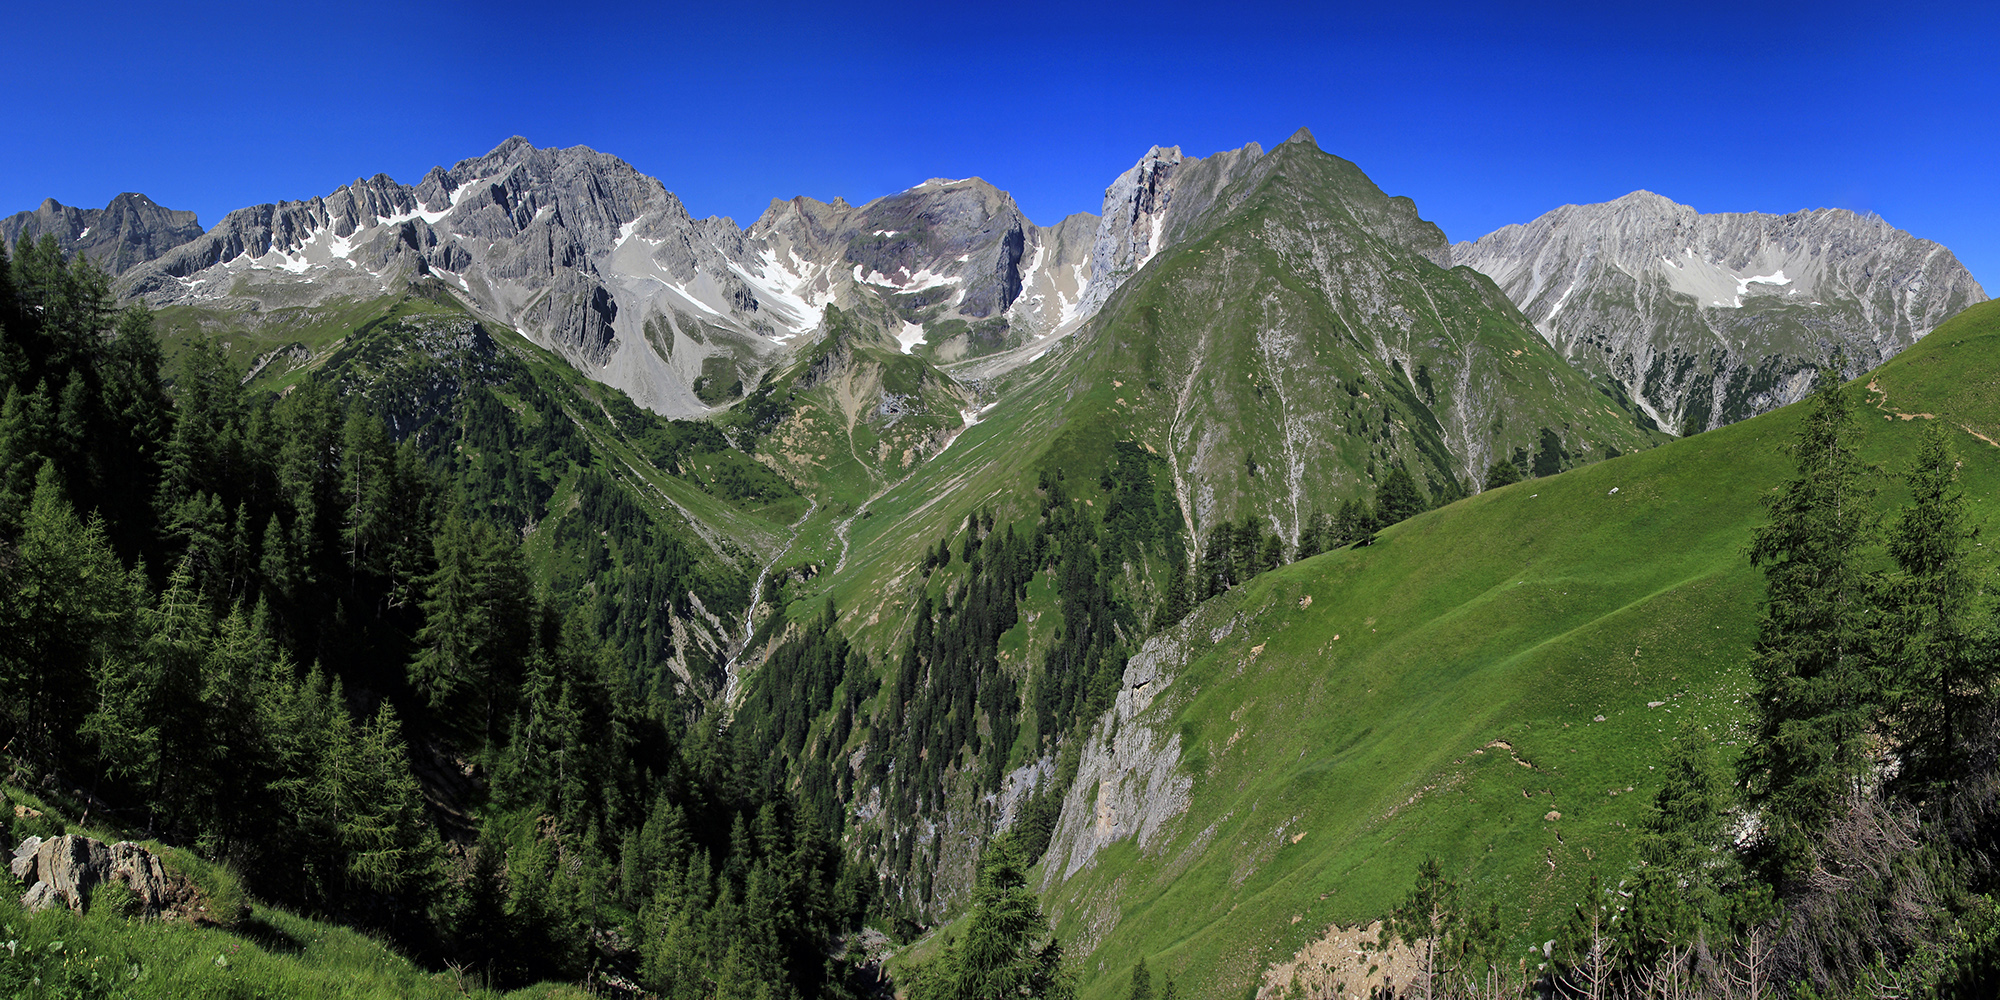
[66, 869]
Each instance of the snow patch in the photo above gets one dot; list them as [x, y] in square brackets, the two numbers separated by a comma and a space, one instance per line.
[1071, 308]
[923, 279]
[1571, 290]
[416, 213]
[1153, 241]
[786, 292]
[1743, 284]
[971, 418]
[910, 336]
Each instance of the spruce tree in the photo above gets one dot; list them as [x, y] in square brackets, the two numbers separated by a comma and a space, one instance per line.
[1816, 695]
[1940, 673]
[1398, 498]
[1005, 950]
[1313, 540]
[1684, 854]
[1502, 473]
[64, 603]
[1142, 982]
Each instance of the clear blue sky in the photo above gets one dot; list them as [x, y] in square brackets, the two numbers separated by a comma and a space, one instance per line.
[1484, 113]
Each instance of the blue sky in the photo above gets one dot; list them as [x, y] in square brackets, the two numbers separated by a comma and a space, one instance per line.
[1485, 114]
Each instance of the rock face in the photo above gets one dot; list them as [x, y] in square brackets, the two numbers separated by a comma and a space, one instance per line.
[602, 264]
[1151, 206]
[66, 869]
[128, 232]
[1708, 319]
[953, 265]
[1127, 782]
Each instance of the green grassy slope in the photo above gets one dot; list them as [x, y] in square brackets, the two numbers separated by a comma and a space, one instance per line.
[1303, 340]
[1334, 742]
[57, 954]
[239, 949]
[1301, 330]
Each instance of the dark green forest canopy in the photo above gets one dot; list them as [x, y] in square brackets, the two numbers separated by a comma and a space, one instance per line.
[303, 634]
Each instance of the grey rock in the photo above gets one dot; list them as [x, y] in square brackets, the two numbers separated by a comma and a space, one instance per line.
[1707, 319]
[66, 869]
[1152, 205]
[123, 234]
[23, 863]
[581, 313]
[1128, 781]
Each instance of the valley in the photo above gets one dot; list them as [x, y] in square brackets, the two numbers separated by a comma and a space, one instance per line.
[702, 601]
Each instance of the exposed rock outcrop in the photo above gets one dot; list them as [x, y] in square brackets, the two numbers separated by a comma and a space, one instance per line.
[1150, 206]
[66, 870]
[1127, 782]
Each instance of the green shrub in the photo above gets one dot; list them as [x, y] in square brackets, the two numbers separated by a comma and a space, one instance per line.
[114, 899]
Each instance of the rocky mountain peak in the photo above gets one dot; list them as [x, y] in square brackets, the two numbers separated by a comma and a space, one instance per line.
[129, 230]
[1705, 319]
[1151, 205]
[1311, 180]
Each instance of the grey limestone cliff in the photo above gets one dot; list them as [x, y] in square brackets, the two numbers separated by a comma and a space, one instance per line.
[1708, 319]
[1150, 207]
[129, 231]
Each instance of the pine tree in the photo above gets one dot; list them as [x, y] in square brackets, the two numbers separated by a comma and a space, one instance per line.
[1816, 695]
[1142, 982]
[150, 724]
[1313, 540]
[1175, 603]
[27, 425]
[64, 603]
[1684, 854]
[477, 613]
[367, 477]
[392, 852]
[1426, 918]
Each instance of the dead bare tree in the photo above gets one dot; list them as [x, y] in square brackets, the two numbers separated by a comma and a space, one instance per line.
[1750, 978]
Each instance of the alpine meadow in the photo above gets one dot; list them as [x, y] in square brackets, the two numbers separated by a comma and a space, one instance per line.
[513, 585]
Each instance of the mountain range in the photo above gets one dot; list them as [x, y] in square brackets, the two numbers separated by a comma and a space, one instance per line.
[1159, 472]
[1698, 319]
